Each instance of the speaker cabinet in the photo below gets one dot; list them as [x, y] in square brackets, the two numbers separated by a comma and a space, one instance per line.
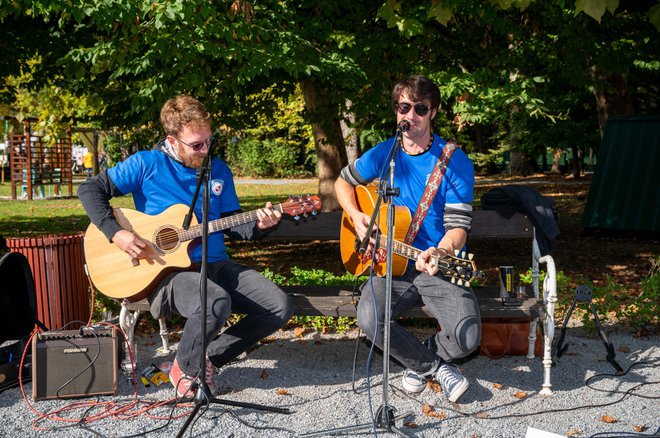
[74, 363]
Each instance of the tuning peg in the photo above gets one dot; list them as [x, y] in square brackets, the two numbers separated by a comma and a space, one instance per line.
[470, 257]
[453, 280]
[460, 282]
[296, 217]
[456, 252]
[466, 283]
[463, 255]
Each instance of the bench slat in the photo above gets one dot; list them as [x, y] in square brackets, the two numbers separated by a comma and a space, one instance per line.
[337, 301]
[326, 226]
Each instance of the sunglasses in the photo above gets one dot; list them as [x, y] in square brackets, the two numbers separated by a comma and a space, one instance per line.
[197, 146]
[420, 108]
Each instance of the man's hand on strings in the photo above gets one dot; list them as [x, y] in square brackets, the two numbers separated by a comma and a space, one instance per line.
[131, 244]
[361, 222]
[268, 217]
[427, 260]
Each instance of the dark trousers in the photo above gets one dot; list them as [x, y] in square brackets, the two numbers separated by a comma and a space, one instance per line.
[232, 288]
[456, 309]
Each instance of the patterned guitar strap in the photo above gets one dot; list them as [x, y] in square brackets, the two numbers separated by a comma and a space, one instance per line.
[429, 193]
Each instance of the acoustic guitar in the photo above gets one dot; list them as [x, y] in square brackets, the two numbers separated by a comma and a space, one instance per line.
[115, 274]
[459, 267]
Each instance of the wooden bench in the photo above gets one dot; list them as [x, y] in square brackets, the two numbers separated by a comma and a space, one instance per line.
[339, 301]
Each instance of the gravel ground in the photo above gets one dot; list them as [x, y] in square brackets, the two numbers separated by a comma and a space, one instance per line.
[312, 376]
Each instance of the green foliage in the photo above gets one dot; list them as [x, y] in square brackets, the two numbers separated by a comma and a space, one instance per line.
[564, 288]
[644, 310]
[303, 277]
[611, 300]
[275, 139]
[490, 162]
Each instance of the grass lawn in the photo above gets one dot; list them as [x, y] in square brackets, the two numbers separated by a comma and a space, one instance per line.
[64, 215]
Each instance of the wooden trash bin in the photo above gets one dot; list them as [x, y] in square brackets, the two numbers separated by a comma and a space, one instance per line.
[58, 268]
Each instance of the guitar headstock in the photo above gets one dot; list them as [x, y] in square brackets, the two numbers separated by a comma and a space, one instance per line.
[460, 268]
[301, 205]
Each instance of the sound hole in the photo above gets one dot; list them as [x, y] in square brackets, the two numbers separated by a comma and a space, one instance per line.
[166, 239]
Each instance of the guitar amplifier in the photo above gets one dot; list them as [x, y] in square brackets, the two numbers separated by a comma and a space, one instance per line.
[74, 363]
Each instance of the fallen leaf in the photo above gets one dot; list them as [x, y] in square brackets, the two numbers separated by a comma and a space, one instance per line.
[608, 419]
[267, 340]
[428, 410]
[641, 428]
[482, 415]
[264, 375]
[410, 424]
[624, 349]
[299, 331]
[520, 394]
[433, 386]
[282, 392]
[497, 386]
[574, 432]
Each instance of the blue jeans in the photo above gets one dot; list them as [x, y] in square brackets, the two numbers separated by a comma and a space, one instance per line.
[232, 288]
[456, 309]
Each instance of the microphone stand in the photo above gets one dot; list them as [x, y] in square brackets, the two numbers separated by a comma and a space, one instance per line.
[203, 396]
[385, 419]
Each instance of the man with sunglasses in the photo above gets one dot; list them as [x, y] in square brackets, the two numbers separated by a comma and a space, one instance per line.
[415, 101]
[167, 175]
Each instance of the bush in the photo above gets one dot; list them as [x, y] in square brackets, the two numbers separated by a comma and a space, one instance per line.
[259, 158]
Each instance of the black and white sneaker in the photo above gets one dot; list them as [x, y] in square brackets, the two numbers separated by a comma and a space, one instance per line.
[413, 381]
[452, 381]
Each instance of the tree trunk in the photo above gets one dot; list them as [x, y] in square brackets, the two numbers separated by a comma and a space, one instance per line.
[520, 164]
[612, 96]
[330, 149]
[351, 140]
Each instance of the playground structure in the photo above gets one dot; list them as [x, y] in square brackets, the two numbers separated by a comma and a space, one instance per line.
[39, 169]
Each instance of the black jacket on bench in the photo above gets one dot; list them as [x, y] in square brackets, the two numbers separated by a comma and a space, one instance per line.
[508, 200]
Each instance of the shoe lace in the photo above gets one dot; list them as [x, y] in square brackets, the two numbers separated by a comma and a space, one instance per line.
[447, 376]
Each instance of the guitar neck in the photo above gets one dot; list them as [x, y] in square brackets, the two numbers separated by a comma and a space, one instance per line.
[223, 223]
[403, 249]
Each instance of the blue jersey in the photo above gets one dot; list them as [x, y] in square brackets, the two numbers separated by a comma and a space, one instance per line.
[411, 173]
[158, 182]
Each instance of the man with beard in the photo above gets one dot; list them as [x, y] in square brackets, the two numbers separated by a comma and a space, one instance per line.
[167, 175]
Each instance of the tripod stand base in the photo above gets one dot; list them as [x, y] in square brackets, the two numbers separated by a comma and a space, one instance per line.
[203, 397]
[384, 423]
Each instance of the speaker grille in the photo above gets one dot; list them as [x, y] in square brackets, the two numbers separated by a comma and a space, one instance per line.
[68, 364]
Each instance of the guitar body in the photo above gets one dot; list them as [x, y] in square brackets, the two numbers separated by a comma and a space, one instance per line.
[115, 274]
[357, 263]
[119, 276]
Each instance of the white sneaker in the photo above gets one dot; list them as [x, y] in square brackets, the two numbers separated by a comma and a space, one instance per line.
[413, 382]
[452, 381]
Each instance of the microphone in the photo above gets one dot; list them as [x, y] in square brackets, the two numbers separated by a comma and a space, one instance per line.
[403, 126]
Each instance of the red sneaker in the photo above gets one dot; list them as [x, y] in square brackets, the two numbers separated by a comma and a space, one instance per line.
[184, 384]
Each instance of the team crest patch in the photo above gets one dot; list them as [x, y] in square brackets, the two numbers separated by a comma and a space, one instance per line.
[216, 186]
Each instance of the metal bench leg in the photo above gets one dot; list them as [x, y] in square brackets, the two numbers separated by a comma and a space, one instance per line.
[127, 322]
[549, 299]
[164, 335]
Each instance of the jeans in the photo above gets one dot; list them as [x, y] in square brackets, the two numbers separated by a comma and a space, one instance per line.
[456, 309]
[231, 288]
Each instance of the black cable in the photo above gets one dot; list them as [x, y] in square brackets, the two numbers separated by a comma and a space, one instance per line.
[479, 415]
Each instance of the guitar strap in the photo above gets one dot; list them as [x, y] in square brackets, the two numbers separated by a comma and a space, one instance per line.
[429, 193]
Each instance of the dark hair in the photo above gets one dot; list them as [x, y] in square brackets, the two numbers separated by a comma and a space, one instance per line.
[418, 88]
